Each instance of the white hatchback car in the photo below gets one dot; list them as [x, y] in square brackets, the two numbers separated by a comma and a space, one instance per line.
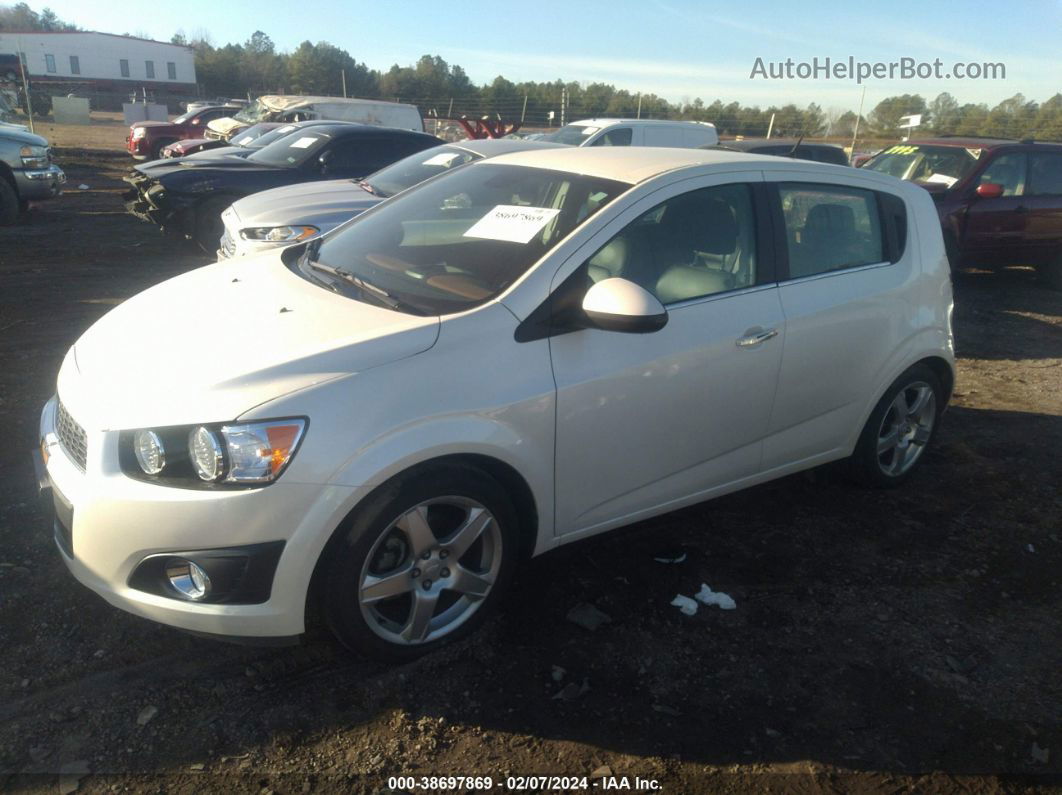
[509, 357]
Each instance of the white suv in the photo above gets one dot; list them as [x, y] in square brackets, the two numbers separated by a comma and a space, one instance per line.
[517, 354]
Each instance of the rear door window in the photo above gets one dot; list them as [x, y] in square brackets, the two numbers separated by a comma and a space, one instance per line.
[1045, 174]
[1007, 170]
[621, 136]
[830, 227]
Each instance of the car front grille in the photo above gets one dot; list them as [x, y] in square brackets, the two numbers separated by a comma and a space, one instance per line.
[71, 436]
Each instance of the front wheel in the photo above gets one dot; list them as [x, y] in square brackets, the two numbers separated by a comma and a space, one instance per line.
[422, 563]
[208, 224]
[1050, 274]
[899, 430]
[9, 203]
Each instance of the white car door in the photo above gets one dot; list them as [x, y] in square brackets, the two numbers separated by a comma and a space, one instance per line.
[648, 421]
[846, 298]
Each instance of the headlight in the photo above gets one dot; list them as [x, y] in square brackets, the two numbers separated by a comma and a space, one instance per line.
[150, 453]
[139, 132]
[34, 156]
[279, 234]
[204, 456]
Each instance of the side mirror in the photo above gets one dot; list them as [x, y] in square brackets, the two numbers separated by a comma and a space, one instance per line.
[989, 190]
[323, 161]
[195, 121]
[620, 305]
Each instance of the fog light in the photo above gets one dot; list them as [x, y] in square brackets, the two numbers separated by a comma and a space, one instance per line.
[150, 453]
[188, 579]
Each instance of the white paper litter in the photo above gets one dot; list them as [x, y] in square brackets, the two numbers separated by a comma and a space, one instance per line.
[706, 596]
[512, 223]
[82, 186]
[685, 604]
[1030, 548]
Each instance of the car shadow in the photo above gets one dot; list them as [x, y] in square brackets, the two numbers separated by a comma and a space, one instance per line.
[1006, 314]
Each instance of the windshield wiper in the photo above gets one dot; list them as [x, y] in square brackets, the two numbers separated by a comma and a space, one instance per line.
[380, 295]
[369, 188]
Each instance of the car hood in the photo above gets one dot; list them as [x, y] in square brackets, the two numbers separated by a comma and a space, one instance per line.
[22, 136]
[226, 125]
[152, 124]
[304, 203]
[211, 344]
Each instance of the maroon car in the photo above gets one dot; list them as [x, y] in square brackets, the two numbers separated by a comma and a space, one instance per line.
[189, 146]
[146, 139]
[999, 200]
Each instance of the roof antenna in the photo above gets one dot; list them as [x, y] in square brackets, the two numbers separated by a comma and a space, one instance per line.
[792, 152]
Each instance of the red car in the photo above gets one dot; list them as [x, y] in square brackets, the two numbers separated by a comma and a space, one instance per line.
[999, 200]
[190, 146]
[146, 139]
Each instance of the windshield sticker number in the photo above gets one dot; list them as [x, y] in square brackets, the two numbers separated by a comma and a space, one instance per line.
[512, 223]
[441, 159]
[304, 143]
[902, 150]
[245, 140]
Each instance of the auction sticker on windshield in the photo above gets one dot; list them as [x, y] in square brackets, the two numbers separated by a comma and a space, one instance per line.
[302, 143]
[441, 159]
[512, 223]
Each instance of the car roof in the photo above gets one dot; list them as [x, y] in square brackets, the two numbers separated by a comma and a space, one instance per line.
[634, 164]
[968, 142]
[606, 122]
[750, 143]
[343, 129]
[489, 147]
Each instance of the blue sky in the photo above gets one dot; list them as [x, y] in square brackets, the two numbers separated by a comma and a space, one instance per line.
[679, 49]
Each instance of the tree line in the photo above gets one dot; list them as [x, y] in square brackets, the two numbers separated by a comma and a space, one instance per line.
[444, 90]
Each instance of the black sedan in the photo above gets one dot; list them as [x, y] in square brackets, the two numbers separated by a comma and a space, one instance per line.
[188, 197]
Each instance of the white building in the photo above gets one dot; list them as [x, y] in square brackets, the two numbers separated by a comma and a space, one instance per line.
[104, 60]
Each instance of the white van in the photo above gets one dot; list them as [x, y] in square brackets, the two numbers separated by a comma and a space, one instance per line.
[272, 107]
[636, 132]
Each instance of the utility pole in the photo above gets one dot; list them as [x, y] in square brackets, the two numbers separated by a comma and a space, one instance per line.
[639, 104]
[450, 110]
[564, 104]
[770, 126]
[524, 111]
[343, 77]
[855, 129]
[25, 83]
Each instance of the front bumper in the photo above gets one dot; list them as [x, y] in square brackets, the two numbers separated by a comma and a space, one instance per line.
[40, 183]
[147, 200]
[106, 525]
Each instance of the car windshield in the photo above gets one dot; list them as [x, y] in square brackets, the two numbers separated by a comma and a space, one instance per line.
[252, 114]
[412, 170]
[941, 164]
[292, 150]
[460, 240]
[185, 117]
[252, 134]
[273, 135]
[573, 134]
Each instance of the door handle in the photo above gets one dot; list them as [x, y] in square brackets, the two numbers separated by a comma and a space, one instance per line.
[756, 338]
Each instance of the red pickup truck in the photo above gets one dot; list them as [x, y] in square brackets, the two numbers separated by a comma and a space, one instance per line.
[146, 139]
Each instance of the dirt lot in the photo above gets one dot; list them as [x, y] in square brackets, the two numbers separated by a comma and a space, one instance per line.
[882, 641]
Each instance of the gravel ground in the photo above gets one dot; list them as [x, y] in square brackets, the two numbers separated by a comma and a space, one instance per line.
[883, 641]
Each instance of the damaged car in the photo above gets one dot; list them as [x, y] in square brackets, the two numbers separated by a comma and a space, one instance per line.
[188, 196]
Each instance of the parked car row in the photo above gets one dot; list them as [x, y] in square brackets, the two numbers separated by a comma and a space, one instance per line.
[516, 352]
[999, 200]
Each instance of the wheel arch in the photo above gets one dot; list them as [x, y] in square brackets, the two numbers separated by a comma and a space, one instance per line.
[8, 176]
[510, 479]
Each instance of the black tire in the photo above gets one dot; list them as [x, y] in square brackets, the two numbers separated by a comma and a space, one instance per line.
[887, 469]
[208, 224]
[1050, 274]
[156, 150]
[9, 203]
[372, 540]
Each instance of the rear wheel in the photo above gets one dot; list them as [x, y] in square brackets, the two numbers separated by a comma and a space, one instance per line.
[422, 563]
[9, 203]
[899, 430]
